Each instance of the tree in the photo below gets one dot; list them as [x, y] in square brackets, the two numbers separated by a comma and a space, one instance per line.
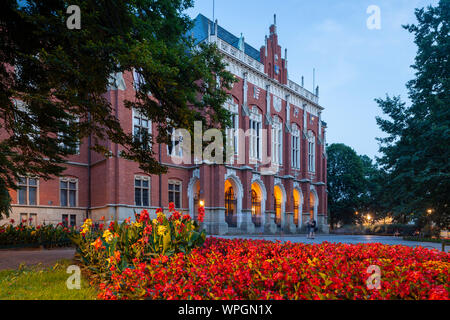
[416, 151]
[53, 80]
[372, 198]
[346, 183]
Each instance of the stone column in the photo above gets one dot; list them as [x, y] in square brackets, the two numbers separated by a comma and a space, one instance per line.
[247, 225]
[213, 193]
[289, 226]
[270, 227]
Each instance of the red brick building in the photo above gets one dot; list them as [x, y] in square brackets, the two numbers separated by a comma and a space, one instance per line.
[239, 198]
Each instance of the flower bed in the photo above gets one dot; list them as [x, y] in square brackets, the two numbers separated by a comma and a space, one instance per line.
[113, 249]
[23, 235]
[250, 269]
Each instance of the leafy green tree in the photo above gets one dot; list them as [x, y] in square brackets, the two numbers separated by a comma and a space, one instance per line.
[53, 81]
[372, 199]
[346, 184]
[416, 150]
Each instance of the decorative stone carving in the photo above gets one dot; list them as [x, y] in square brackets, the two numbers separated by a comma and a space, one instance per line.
[277, 103]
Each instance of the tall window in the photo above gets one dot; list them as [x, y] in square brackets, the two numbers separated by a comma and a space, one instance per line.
[142, 191]
[277, 141]
[138, 79]
[255, 134]
[74, 146]
[142, 127]
[28, 189]
[28, 219]
[295, 147]
[175, 147]
[68, 192]
[311, 152]
[175, 193]
[69, 220]
[232, 132]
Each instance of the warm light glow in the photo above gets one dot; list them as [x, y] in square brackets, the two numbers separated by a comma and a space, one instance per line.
[430, 211]
[356, 212]
[202, 203]
[369, 217]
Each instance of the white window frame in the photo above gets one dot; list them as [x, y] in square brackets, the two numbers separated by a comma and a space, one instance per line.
[142, 188]
[177, 146]
[311, 152]
[233, 132]
[78, 143]
[255, 134]
[295, 146]
[138, 116]
[180, 184]
[27, 219]
[277, 141]
[27, 192]
[138, 79]
[67, 190]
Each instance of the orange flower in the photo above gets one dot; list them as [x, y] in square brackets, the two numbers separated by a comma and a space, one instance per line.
[97, 244]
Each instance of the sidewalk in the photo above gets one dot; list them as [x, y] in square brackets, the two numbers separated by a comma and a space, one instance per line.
[12, 259]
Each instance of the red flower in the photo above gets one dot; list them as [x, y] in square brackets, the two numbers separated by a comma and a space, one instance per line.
[201, 214]
[144, 216]
[148, 229]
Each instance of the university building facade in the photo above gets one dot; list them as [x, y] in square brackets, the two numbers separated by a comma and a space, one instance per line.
[242, 197]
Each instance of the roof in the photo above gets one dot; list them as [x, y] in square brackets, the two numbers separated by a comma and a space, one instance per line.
[200, 33]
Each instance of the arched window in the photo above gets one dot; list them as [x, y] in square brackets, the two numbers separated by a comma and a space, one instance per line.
[277, 141]
[255, 133]
[230, 208]
[311, 152]
[295, 146]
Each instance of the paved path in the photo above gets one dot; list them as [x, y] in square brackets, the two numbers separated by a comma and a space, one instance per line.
[344, 239]
[12, 259]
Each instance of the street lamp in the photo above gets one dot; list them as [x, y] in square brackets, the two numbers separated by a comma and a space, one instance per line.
[202, 203]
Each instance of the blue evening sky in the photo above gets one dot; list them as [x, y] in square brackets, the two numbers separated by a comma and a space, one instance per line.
[354, 65]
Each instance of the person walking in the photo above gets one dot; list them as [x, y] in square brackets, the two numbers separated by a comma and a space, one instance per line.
[312, 228]
[308, 228]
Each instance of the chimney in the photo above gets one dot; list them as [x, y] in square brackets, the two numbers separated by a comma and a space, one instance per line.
[216, 27]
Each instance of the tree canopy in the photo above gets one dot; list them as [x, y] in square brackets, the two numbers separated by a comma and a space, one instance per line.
[346, 183]
[53, 81]
[416, 153]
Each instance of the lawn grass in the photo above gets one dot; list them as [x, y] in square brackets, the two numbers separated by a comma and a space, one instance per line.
[38, 283]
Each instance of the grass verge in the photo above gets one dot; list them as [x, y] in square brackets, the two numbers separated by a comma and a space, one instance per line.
[37, 283]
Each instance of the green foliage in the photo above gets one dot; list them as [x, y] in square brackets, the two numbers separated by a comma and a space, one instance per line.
[416, 151]
[126, 244]
[346, 183]
[22, 235]
[62, 75]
